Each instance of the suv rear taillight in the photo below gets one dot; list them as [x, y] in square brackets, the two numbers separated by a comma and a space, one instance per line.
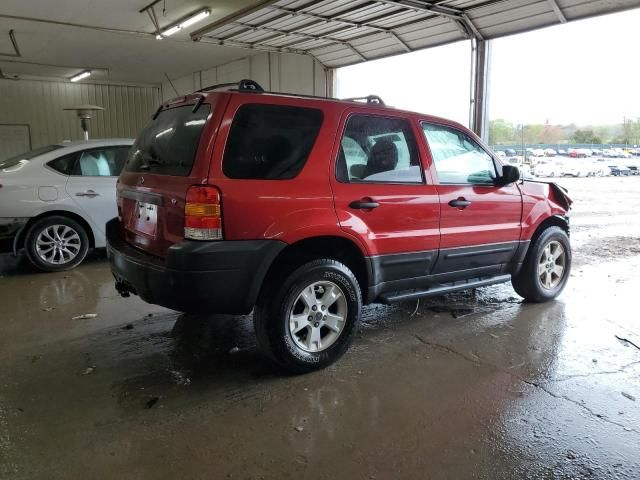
[202, 214]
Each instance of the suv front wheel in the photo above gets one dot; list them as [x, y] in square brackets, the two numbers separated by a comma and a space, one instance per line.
[546, 267]
[308, 321]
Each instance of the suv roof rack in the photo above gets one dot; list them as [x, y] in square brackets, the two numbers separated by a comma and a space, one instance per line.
[370, 99]
[244, 85]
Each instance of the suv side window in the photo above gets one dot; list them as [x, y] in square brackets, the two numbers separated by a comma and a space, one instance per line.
[457, 157]
[378, 149]
[270, 141]
[100, 162]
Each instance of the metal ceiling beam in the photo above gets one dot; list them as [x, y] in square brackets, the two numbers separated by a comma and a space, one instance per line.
[455, 15]
[402, 43]
[558, 11]
[250, 46]
[14, 43]
[195, 36]
[287, 33]
[78, 25]
[296, 33]
[338, 19]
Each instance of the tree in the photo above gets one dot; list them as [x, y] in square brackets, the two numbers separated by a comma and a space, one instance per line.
[501, 131]
[586, 136]
[551, 134]
[631, 131]
[533, 133]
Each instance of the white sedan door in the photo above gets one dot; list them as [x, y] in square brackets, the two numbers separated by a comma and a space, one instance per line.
[92, 183]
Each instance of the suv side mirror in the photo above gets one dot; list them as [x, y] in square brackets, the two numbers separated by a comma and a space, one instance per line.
[510, 174]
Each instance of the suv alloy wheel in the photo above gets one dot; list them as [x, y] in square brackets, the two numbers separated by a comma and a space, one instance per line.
[307, 323]
[546, 267]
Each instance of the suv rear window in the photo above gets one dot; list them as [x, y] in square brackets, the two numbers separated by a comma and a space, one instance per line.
[168, 144]
[270, 141]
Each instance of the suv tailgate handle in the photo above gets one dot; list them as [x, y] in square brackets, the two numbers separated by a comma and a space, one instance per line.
[460, 203]
[364, 204]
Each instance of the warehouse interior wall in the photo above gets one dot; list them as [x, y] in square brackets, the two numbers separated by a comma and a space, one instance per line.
[40, 106]
[276, 72]
[35, 108]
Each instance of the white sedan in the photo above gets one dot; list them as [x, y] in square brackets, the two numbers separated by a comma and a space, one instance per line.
[55, 200]
[576, 168]
[548, 169]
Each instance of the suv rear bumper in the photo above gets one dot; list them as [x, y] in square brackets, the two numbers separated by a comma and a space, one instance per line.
[199, 277]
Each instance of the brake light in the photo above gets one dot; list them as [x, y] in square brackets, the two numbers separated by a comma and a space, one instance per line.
[202, 214]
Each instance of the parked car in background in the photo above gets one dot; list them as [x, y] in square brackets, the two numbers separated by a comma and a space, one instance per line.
[501, 155]
[56, 200]
[562, 152]
[251, 206]
[550, 152]
[548, 169]
[537, 152]
[596, 152]
[510, 152]
[599, 168]
[619, 170]
[575, 168]
[579, 152]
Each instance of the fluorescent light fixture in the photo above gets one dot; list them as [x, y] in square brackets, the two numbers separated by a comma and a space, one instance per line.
[187, 22]
[195, 18]
[170, 31]
[80, 76]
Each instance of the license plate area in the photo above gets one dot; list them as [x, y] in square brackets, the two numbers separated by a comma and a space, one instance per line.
[145, 219]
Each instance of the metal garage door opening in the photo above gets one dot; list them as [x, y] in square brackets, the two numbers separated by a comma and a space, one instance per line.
[578, 76]
[434, 81]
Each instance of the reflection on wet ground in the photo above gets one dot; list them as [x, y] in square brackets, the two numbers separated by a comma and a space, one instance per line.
[471, 385]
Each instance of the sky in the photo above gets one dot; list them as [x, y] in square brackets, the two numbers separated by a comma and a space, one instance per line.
[585, 72]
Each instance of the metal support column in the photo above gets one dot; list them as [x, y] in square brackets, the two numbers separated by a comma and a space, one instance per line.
[478, 111]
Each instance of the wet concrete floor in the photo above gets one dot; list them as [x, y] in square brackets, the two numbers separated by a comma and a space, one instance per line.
[463, 386]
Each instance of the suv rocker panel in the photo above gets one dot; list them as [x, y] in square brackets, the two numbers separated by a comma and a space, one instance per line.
[390, 276]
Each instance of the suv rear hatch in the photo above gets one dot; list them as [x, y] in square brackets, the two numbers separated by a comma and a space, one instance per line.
[171, 154]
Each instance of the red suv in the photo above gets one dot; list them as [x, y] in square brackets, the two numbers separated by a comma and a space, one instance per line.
[303, 209]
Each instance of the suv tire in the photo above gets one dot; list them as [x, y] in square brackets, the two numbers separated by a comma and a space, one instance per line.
[307, 322]
[56, 243]
[546, 267]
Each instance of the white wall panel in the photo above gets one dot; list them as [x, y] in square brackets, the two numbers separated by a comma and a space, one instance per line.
[40, 104]
[277, 72]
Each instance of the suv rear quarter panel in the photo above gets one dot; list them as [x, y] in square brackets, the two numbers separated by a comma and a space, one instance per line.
[287, 209]
[173, 189]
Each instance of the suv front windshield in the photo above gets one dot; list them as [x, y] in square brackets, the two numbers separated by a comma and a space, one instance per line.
[13, 161]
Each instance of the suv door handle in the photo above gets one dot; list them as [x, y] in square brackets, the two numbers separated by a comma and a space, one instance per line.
[87, 193]
[364, 204]
[460, 203]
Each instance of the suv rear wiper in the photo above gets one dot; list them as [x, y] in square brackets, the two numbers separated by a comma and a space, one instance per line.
[149, 161]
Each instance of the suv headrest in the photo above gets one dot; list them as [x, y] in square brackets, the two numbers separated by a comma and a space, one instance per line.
[382, 157]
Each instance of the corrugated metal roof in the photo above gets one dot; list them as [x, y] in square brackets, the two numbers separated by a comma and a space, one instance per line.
[343, 32]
